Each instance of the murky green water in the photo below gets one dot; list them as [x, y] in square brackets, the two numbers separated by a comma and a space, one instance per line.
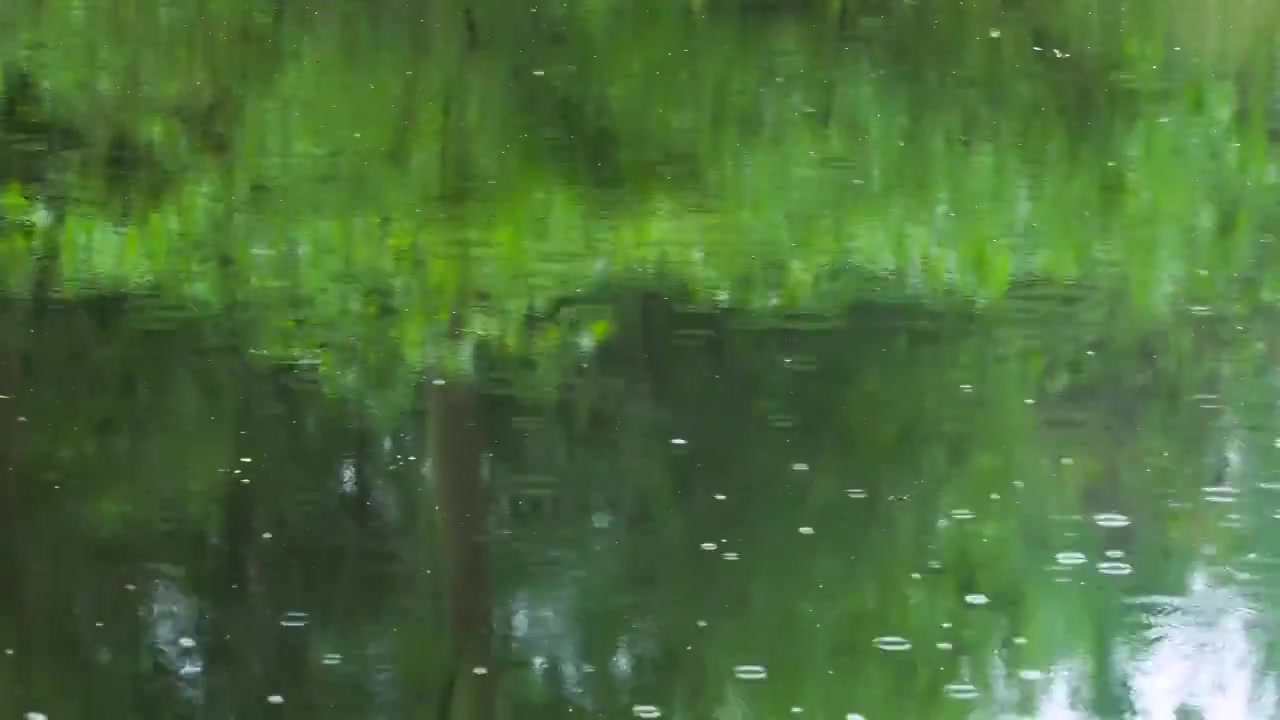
[725, 359]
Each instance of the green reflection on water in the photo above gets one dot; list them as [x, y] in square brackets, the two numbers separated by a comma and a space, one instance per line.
[463, 361]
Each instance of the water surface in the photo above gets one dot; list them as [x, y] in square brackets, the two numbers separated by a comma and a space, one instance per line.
[730, 359]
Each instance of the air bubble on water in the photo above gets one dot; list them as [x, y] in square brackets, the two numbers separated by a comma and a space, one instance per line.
[720, 496]
[479, 670]
[708, 546]
[646, 711]
[856, 493]
[730, 556]
[799, 467]
[679, 441]
[806, 530]
[186, 642]
[963, 514]
[246, 460]
[275, 699]
[331, 659]
[1071, 557]
[976, 599]
[892, 643]
[750, 672]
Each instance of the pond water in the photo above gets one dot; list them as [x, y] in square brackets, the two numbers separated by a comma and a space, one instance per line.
[736, 359]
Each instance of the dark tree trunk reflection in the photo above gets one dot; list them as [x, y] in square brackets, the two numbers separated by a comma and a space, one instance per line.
[455, 439]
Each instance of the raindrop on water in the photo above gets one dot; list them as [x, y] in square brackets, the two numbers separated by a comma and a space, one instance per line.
[1219, 494]
[294, 618]
[892, 643]
[1110, 520]
[1114, 567]
[960, 691]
